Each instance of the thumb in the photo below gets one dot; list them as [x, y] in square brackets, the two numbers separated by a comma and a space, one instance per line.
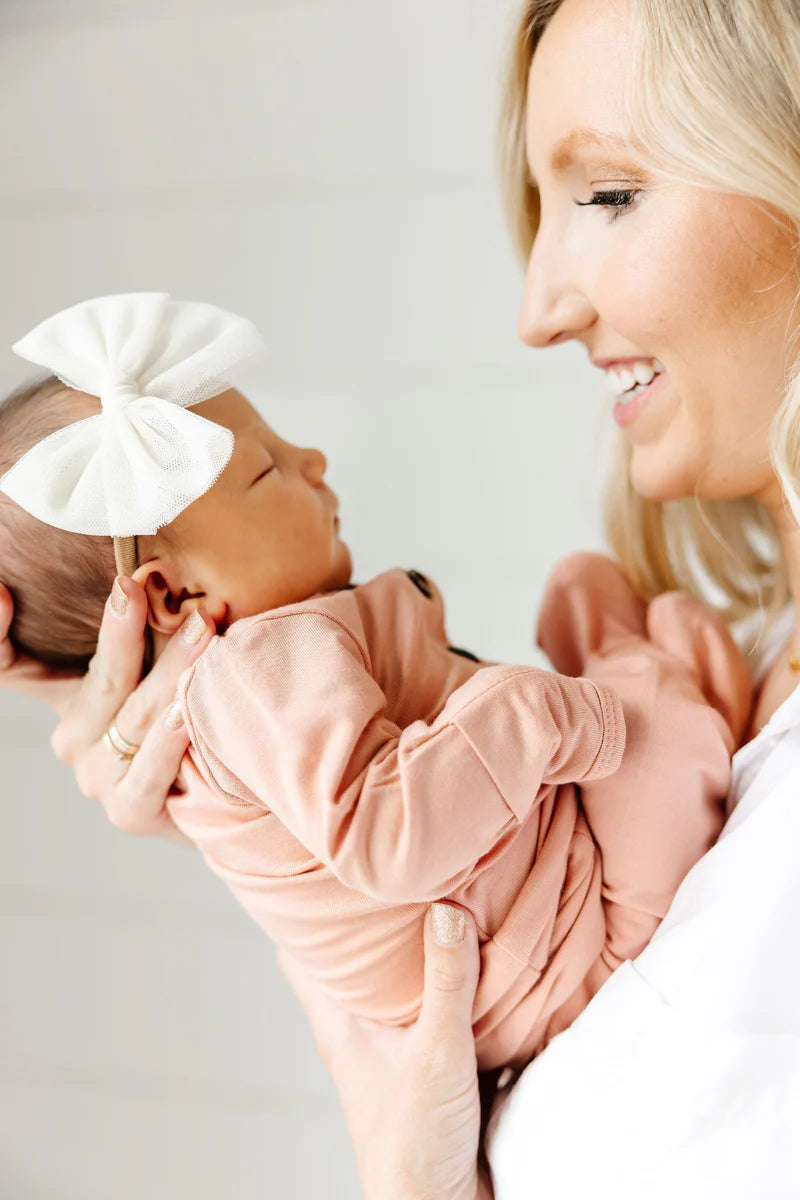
[452, 966]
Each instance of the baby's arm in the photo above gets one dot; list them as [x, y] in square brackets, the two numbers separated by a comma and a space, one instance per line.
[286, 715]
[685, 692]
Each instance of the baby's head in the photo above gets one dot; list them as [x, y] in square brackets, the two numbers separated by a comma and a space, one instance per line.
[265, 534]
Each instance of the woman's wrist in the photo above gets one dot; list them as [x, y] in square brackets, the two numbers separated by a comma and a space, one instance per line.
[410, 1095]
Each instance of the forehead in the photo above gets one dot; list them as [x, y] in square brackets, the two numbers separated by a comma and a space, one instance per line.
[577, 83]
[235, 412]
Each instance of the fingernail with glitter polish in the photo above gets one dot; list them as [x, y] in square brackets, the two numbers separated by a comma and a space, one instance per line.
[174, 717]
[447, 924]
[118, 599]
[193, 629]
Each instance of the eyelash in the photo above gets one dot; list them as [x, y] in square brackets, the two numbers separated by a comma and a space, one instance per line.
[263, 473]
[617, 199]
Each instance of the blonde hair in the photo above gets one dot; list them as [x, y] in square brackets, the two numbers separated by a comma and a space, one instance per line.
[730, 70]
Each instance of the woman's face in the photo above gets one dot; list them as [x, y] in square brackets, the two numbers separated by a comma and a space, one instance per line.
[700, 283]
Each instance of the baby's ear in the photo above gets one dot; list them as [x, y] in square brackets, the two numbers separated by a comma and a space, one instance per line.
[169, 602]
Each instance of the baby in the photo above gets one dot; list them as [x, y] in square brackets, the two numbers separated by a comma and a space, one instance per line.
[348, 765]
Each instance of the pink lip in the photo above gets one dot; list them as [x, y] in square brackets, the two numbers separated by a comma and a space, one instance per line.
[605, 363]
[624, 414]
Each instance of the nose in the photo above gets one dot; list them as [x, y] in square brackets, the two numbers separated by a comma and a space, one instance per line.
[313, 464]
[554, 307]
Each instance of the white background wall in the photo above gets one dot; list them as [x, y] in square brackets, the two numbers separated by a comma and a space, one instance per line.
[326, 168]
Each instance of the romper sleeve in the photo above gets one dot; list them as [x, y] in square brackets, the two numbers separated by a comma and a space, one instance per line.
[285, 714]
[685, 693]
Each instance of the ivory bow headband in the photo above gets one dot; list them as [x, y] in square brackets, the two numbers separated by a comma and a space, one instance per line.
[144, 458]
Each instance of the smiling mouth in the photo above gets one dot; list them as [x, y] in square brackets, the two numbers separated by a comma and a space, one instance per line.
[626, 382]
[628, 406]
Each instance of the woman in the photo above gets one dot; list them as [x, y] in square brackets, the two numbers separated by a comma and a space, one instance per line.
[654, 157]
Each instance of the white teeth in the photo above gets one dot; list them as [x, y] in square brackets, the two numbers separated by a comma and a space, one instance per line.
[633, 393]
[638, 375]
[644, 372]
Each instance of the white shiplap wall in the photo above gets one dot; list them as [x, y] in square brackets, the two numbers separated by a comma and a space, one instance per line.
[325, 167]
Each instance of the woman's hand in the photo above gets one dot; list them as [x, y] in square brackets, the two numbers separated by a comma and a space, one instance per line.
[133, 793]
[410, 1096]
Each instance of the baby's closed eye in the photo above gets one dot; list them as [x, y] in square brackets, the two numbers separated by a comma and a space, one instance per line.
[265, 471]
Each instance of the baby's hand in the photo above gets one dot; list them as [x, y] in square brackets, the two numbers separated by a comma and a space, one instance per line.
[693, 633]
[591, 612]
[589, 607]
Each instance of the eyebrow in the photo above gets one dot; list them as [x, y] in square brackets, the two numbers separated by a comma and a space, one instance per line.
[565, 150]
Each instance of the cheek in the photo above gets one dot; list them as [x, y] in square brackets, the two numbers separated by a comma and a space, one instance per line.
[654, 286]
[707, 289]
[303, 523]
[700, 270]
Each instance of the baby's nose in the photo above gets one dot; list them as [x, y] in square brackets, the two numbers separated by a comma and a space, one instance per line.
[315, 464]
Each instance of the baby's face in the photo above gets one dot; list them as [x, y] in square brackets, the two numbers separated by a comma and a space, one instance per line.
[266, 534]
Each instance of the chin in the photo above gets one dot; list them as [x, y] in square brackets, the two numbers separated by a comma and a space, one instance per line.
[344, 574]
[342, 571]
[661, 482]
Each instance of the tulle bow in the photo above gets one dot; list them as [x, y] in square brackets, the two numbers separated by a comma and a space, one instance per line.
[144, 457]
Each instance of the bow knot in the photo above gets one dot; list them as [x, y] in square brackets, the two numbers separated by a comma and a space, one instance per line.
[144, 458]
[118, 393]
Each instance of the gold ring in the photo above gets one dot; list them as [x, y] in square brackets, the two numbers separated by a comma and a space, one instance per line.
[117, 743]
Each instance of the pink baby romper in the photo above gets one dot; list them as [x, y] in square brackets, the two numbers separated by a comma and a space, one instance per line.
[347, 767]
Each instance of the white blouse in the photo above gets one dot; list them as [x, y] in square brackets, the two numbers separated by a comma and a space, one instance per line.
[682, 1077]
